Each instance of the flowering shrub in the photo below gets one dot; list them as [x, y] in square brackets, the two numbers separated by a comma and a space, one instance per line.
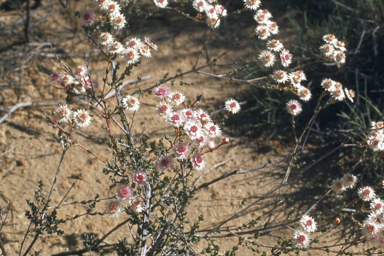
[152, 179]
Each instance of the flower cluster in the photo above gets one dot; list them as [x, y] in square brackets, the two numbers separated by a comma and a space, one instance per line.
[375, 138]
[76, 83]
[80, 118]
[113, 11]
[125, 197]
[212, 9]
[337, 91]
[373, 226]
[333, 49]
[340, 185]
[134, 49]
[196, 124]
[301, 238]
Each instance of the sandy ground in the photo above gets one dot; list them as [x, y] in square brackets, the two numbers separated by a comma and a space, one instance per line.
[26, 134]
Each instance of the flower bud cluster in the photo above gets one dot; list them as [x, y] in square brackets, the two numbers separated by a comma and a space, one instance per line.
[333, 49]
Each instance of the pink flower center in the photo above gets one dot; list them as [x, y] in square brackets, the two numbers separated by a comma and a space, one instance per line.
[265, 11]
[87, 17]
[63, 112]
[181, 149]
[132, 43]
[176, 96]
[163, 108]
[136, 202]
[212, 128]
[189, 114]
[140, 177]
[82, 117]
[164, 162]
[367, 192]
[301, 238]
[175, 118]
[113, 207]
[371, 228]
[79, 70]
[309, 222]
[199, 159]
[194, 129]
[378, 206]
[200, 4]
[131, 54]
[119, 20]
[232, 105]
[125, 192]
[212, 10]
[293, 107]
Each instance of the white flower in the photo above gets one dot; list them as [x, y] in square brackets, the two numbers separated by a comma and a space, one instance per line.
[192, 129]
[275, 45]
[232, 106]
[350, 94]
[63, 114]
[252, 4]
[338, 94]
[286, 58]
[262, 17]
[304, 93]
[220, 10]
[131, 103]
[301, 239]
[161, 3]
[175, 119]
[82, 118]
[188, 113]
[134, 43]
[339, 57]
[164, 109]
[273, 28]
[262, 31]
[340, 45]
[330, 38]
[145, 50]
[294, 107]
[103, 4]
[114, 208]
[328, 84]
[349, 180]
[267, 58]
[327, 49]
[377, 205]
[338, 186]
[370, 228]
[119, 22]
[106, 39]
[176, 98]
[132, 56]
[151, 42]
[366, 193]
[280, 76]
[213, 21]
[198, 161]
[136, 204]
[116, 48]
[308, 223]
[199, 5]
[213, 130]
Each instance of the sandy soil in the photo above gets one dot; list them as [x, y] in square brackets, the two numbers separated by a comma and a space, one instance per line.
[26, 134]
